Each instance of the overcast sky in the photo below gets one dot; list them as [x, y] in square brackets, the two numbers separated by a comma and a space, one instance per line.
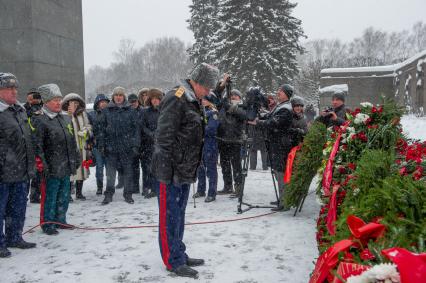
[105, 22]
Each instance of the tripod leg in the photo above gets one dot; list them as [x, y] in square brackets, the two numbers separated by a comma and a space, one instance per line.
[303, 201]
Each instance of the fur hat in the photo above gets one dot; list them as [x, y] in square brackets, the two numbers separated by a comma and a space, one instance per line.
[72, 97]
[205, 75]
[49, 92]
[154, 93]
[119, 91]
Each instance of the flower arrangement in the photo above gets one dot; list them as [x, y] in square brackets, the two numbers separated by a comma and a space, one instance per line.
[376, 176]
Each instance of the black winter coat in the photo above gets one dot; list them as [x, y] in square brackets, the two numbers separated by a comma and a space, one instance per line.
[179, 137]
[341, 117]
[279, 138]
[232, 120]
[149, 122]
[17, 160]
[299, 128]
[119, 130]
[55, 144]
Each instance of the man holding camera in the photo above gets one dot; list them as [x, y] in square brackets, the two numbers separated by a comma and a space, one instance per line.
[277, 125]
[335, 115]
[232, 118]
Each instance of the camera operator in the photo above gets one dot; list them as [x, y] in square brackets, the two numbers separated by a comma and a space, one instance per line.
[277, 125]
[232, 118]
[335, 115]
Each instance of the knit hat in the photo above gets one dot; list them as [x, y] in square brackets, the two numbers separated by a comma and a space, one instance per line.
[297, 100]
[8, 80]
[236, 92]
[288, 90]
[34, 92]
[49, 92]
[205, 75]
[340, 95]
[132, 97]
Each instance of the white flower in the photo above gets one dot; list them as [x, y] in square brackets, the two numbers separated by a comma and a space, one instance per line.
[360, 118]
[386, 273]
[350, 130]
[367, 105]
[356, 191]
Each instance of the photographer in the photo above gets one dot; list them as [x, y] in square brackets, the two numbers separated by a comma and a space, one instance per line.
[335, 115]
[232, 118]
[277, 125]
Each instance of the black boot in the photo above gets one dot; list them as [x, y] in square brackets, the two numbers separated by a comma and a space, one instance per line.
[79, 191]
[100, 185]
[194, 261]
[199, 195]
[4, 252]
[107, 199]
[129, 199]
[185, 271]
[22, 245]
[226, 191]
[151, 194]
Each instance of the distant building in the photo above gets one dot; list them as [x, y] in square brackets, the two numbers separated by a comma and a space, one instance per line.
[42, 42]
[403, 82]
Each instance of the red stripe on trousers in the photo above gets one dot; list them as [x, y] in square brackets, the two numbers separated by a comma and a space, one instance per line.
[163, 226]
[43, 198]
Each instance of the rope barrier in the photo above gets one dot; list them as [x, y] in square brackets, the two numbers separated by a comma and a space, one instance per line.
[146, 226]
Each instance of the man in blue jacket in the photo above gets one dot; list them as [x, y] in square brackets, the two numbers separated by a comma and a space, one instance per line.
[208, 166]
[95, 117]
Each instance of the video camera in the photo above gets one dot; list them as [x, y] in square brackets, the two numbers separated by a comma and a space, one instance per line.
[254, 101]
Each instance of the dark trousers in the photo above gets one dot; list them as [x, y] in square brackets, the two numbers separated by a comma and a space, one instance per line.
[100, 165]
[208, 168]
[253, 158]
[172, 200]
[148, 180]
[54, 201]
[13, 205]
[35, 188]
[123, 164]
[230, 161]
[136, 175]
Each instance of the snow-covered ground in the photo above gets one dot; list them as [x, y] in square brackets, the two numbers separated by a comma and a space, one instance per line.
[414, 127]
[274, 248]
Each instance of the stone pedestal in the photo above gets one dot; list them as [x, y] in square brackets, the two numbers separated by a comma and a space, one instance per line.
[41, 41]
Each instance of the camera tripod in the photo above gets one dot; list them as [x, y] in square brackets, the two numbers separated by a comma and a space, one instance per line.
[247, 144]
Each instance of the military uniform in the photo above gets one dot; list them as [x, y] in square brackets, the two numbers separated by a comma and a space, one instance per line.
[177, 155]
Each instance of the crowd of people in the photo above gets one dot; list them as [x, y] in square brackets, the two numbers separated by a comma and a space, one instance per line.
[49, 144]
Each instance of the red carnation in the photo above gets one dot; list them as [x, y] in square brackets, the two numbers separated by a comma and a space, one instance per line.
[352, 166]
[362, 137]
[342, 170]
[374, 110]
[367, 255]
[403, 171]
